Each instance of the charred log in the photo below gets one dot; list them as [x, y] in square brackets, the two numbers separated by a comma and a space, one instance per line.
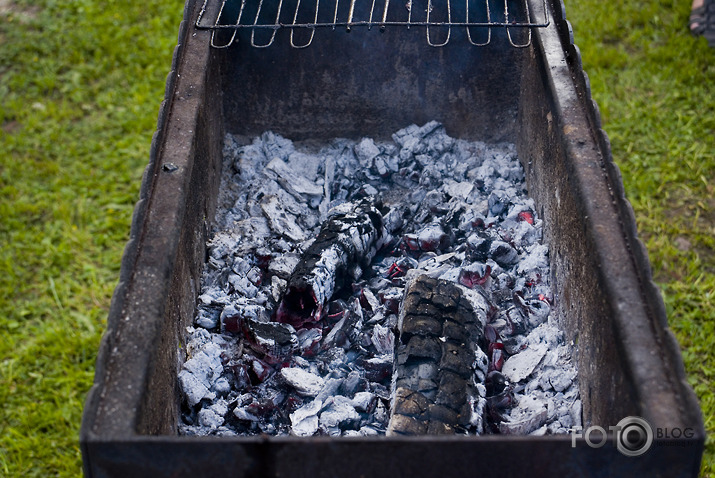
[440, 369]
[347, 242]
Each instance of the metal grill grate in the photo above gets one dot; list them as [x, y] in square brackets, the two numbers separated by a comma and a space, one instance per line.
[263, 18]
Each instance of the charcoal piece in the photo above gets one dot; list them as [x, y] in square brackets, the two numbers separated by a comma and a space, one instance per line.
[382, 339]
[283, 266]
[420, 371]
[440, 413]
[404, 425]
[437, 371]
[208, 317]
[309, 341]
[305, 419]
[296, 184]
[354, 383]
[455, 331]
[338, 335]
[460, 190]
[495, 383]
[230, 319]
[440, 428]
[521, 365]
[351, 237]
[457, 359]
[364, 402]
[503, 254]
[281, 221]
[433, 237]
[222, 386]
[338, 412]
[271, 338]
[368, 300]
[478, 247]
[193, 388]
[199, 372]
[259, 371]
[391, 298]
[476, 274]
[423, 348]
[498, 203]
[526, 417]
[366, 151]
[378, 368]
[421, 325]
[410, 403]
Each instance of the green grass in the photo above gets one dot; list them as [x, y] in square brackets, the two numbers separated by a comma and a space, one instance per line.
[655, 86]
[80, 86]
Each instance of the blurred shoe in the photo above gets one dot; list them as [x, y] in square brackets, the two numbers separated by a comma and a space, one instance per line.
[702, 21]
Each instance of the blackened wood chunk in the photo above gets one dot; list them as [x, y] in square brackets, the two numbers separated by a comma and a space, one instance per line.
[410, 403]
[349, 238]
[464, 316]
[455, 332]
[423, 348]
[426, 387]
[404, 425]
[423, 287]
[457, 359]
[450, 382]
[434, 374]
[453, 399]
[421, 377]
[442, 414]
[439, 428]
[421, 325]
[429, 309]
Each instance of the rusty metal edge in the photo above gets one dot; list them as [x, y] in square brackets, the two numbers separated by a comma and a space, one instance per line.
[417, 456]
[132, 251]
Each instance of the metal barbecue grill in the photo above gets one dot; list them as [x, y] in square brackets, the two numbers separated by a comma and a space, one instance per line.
[243, 68]
[438, 18]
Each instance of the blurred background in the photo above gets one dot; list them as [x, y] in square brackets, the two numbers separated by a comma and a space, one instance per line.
[80, 86]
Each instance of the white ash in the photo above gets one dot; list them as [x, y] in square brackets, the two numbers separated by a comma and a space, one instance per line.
[307, 384]
[457, 211]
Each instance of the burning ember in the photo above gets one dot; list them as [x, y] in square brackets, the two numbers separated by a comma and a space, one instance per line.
[368, 288]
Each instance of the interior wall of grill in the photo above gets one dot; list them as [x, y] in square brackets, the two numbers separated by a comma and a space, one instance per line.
[583, 307]
[372, 83]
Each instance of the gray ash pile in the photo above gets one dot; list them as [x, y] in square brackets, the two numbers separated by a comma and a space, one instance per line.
[358, 288]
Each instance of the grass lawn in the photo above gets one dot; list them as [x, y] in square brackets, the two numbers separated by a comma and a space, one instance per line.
[80, 87]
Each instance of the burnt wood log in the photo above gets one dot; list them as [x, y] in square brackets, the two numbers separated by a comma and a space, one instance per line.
[438, 363]
[346, 243]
